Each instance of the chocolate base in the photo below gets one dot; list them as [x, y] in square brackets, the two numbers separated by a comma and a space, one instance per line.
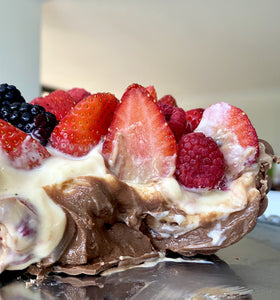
[198, 241]
[103, 226]
[108, 225]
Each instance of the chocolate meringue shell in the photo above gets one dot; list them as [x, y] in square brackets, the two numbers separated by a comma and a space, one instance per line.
[108, 224]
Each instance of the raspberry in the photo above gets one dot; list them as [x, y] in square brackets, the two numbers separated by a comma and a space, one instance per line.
[168, 99]
[58, 103]
[200, 163]
[193, 118]
[175, 118]
[78, 94]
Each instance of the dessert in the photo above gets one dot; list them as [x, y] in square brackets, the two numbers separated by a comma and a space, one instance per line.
[121, 182]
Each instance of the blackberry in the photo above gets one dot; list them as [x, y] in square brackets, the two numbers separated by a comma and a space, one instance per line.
[9, 94]
[32, 119]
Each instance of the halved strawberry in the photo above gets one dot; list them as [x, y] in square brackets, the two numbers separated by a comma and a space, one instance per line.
[58, 102]
[21, 149]
[139, 146]
[84, 126]
[193, 118]
[151, 89]
[231, 128]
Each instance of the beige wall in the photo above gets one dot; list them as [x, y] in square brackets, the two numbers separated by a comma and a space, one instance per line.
[199, 51]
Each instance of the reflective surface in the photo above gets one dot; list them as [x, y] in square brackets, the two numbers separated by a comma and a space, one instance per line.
[248, 270]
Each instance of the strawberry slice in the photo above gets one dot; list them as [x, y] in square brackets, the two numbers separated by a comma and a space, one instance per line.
[58, 102]
[84, 126]
[151, 89]
[193, 118]
[20, 148]
[139, 146]
[231, 128]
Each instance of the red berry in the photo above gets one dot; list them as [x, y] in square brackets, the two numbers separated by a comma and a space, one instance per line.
[231, 128]
[78, 94]
[151, 89]
[139, 146]
[200, 163]
[193, 119]
[21, 149]
[58, 102]
[84, 126]
[168, 99]
[175, 118]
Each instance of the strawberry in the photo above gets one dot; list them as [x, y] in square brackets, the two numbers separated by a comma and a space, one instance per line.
[193, 119]
[151, 89]
[84, 126]
[139, 146]
[168, 99]
[21, 149]
[58, 102]
[231, 128]
[78, 94]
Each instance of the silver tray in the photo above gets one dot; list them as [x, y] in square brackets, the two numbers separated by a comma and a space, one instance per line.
[249, 269]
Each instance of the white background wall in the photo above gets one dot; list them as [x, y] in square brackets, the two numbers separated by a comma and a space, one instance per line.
[199, 51]
[20, 23]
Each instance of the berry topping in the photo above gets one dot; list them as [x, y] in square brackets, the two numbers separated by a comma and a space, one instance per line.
[151, 89]
[232, 130]
[139, 146]
[200, 163]
[78, 94]
[175, 118]
[84, 126]
[168, 99]
[9, 94]
[193, 118]
[32, 119]
[58, 102]
[21, 149]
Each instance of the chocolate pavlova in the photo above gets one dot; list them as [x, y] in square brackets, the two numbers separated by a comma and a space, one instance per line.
[117, 183]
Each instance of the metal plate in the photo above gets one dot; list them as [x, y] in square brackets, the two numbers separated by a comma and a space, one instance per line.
[249, 269]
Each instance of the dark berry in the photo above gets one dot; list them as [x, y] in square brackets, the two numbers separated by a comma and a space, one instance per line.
[32, 119]
[25, 116]
[24, 107]
[40, 120]
[51, 119]
[14, 116]
[5, 111]
[37, 109]
[9, 94]
[29, 127]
